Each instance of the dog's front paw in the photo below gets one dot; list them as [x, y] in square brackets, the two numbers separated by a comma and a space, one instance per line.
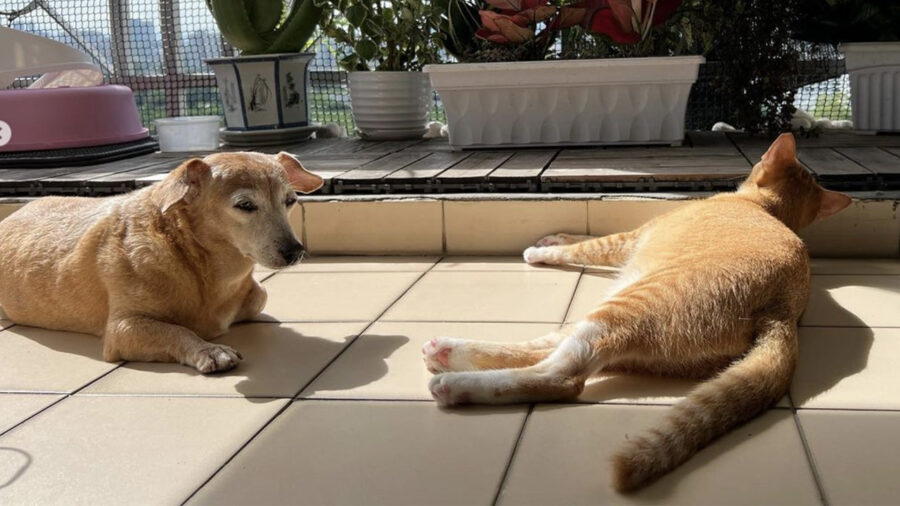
[216, 357]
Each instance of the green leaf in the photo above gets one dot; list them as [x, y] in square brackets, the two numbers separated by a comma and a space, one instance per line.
[366, 49]
[264, 14]
[356, 14]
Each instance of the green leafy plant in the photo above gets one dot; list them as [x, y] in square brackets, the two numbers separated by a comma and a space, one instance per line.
[398, 35]
[266, 26]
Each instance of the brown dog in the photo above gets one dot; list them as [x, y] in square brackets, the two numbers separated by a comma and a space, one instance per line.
[158, 271]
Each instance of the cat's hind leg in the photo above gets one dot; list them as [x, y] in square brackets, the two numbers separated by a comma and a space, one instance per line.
[611, 250]
[561, 375]
[443, 354]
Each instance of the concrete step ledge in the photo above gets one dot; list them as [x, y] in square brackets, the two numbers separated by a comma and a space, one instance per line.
[505, 224]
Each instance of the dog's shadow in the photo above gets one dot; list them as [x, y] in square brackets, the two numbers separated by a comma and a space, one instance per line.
[283, 360]
[280, 360]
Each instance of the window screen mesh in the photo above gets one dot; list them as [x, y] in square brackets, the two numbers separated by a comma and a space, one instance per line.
[157, 48]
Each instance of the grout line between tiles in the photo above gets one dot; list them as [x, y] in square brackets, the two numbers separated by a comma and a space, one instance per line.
[512, 456]
[817, 478]
[302, 388]
[443, 228]
[65, 396]
[572, 299]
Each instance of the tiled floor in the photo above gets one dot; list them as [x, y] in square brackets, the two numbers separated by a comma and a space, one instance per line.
[330, 405]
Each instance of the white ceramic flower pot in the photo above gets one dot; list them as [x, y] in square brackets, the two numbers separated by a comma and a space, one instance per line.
[390, 105]
[262, 92]
[874, 69]
[566, 102]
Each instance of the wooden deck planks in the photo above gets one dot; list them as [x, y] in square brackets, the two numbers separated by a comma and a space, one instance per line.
[477, 166]
[826, 162]
[877, 160]
[524, 164]
[381, 167]
[573, 165]
[428, 167]
[708, 159]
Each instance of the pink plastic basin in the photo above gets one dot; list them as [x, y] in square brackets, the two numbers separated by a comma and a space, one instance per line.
[57, 118]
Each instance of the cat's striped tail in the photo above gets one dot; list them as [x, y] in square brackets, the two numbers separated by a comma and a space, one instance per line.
[745, 389]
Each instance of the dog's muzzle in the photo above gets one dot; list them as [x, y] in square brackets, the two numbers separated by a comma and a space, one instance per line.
[291, 252]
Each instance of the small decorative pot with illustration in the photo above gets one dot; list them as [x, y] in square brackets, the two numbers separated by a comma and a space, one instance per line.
[262, 92]
[390, 105]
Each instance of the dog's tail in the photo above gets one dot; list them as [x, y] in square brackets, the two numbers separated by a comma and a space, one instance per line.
[746, 388]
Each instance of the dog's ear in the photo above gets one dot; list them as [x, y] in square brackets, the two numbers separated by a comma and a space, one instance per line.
[183, 184]
[301, 179]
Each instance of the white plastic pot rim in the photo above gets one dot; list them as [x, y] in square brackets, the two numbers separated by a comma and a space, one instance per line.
[565, 73]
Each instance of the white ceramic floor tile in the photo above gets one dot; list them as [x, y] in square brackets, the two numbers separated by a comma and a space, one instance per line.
[563, 458]
[890, 266]
[498, 263]
[334, 296]
[391, 353]
[340, 452]
[364, 264]
[125, 450]
[848, 368]
[40, 360]
[278, 361]
[856, 453]
[17, 407]
[487, 296]
[853, 301]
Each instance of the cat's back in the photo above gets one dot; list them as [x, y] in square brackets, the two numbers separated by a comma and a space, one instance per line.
[722, 227]
[725, 242]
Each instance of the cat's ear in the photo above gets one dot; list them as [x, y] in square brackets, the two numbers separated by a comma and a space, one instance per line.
[831, 203]
[781, 156]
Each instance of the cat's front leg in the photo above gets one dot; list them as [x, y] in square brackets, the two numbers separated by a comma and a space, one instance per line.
[611, 250]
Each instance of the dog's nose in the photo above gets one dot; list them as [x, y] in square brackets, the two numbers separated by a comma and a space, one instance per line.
[291, 252]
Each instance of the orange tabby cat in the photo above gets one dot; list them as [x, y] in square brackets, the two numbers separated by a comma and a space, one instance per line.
[712, 289]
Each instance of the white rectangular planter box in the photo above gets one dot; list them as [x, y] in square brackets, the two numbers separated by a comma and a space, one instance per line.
[874, 69]
[566, 102]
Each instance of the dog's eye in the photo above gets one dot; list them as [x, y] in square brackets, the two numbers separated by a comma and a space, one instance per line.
[290, 201]
[246, 206]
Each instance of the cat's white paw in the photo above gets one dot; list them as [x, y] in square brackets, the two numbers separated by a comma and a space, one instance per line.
[447, 391]
[436, 354]
[534, 255]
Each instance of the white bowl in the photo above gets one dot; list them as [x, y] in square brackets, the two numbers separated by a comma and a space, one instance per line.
[188, 133]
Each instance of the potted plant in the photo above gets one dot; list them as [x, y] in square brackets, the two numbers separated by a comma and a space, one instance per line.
[513, 96]
[868, 34]
[265, 87]
[383, 46]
